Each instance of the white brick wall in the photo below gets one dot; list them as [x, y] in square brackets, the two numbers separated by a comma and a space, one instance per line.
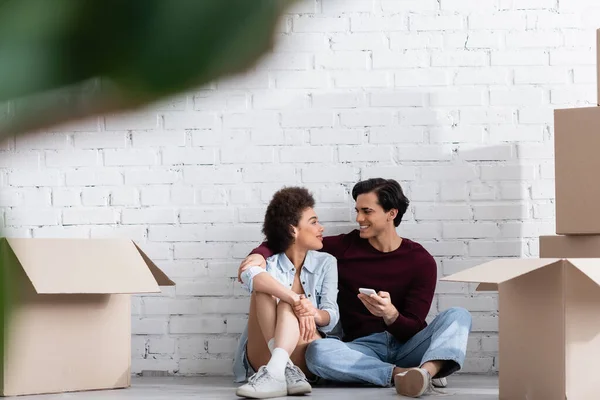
[453, 98]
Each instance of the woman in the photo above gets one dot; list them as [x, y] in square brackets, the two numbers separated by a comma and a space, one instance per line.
[292, 301]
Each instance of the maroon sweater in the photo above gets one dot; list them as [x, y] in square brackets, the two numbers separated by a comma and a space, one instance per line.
[408, 273]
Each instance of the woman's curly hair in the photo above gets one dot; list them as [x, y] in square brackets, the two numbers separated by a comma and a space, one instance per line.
[284, 211]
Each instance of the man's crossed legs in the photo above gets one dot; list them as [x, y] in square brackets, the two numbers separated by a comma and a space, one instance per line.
[372, 359]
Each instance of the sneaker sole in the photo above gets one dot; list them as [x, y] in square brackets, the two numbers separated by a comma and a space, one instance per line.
[410, 383]
[263, 395]
[299, 391]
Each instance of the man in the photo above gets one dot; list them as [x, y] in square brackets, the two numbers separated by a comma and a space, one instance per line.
[385, 337]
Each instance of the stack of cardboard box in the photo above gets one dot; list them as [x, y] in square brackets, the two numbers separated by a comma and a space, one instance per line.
[549, 322]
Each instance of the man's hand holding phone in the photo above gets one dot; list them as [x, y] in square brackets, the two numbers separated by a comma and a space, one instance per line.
[379, 304]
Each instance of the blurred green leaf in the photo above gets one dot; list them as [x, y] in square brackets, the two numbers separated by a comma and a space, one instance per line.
[66, 59]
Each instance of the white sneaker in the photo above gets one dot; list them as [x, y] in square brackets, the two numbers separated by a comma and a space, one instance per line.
[262, 385]
[296, 380]
[439, 382]
[413, 383]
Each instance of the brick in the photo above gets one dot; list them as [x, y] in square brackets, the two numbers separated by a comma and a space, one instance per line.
[344, 99]
[155, 195]
[149, 326]
[30, 216]
[256, 80]
[424, 191]
[342, 60]
[393, 6]
[93, 196]
[398, 173]
[155, 139]
[217, 367]
[124, 196]
[474, 40]
[348, 6]
[520, 96]
[468, 5]
[477, 230]
[90, 215]
[191, 346]
[508, 172]
[458, 134]
[541, 75]
[47, 177]
[474, 303]
[336, 174]
[253, 119]
[445, 173]
[72, 158]
[376, 23]
[499, 152]
[306, 154]
[443, 212]
[446, 248]
[130, 157]
[131, 232]
[163, 345]
[500, 212]
[496, 249]
[178, 233]
[416, 40]
[269, 173]
[94, 177]
[153, 176]
[152, 215]
[454, 97]
[227, 346]
[61, 232]
[365, 153]
[361, 79]
[359, 41]
[20, 160]
[202, 250]
[209, 100]
[527, 4]
[320, 136]
[406, 59]
[280, 99]
[293, 62]
[299, 42]
[529, 57]
[397, 99]
[574, 95]
[129, 121]
[422, 153]
[206, 215]
[422, 77]
[452, 192]
[437, 23]
[459, 59]
[66, 197]
[505, 20]
[393, 134]
[488, 115]
[247, 154]
[42, 141]
[301, 79]
[100, 140]
[483, 76]
[361, 118]
[308, 23]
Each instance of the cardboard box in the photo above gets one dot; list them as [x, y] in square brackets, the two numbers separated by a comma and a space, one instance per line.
[549, 325]
[69, 321]
[577, 167]
[572, 246]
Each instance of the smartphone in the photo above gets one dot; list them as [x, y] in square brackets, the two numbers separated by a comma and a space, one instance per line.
[366, 291]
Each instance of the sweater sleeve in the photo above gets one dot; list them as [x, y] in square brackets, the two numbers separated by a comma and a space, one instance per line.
[416, 305]
[333, 245]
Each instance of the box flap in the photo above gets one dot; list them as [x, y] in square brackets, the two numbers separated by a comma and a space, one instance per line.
[161, 278]
[498, 271]
[84, 266]
[589, 266]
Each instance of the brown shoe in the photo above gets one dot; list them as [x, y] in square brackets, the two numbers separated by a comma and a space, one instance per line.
[412, 383]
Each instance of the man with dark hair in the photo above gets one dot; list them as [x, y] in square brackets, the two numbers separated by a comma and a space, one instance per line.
[385, 338]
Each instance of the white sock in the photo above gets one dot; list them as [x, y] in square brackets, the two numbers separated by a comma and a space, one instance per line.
[276, 364]
[271, 345]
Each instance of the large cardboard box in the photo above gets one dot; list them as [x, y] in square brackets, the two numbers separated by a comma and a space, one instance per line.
[571, 246]
[549, 325]
[68, 326]
[577, 170]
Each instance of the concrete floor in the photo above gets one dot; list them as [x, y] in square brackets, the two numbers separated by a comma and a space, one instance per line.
[460, 387]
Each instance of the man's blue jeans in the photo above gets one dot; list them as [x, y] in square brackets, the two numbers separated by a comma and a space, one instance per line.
[371, 359]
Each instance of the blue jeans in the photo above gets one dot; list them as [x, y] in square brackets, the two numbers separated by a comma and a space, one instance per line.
[371, 359]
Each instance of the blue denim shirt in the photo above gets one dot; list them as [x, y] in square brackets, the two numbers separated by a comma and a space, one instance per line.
[319, 279]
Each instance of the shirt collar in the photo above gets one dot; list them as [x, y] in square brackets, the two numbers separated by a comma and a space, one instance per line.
[286, 265]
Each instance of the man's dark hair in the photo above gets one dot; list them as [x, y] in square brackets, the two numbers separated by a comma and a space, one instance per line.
[389, 195]
[284, 211]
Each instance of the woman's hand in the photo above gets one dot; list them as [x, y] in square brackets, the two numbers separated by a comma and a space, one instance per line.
[304, 308]
[307, 327]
